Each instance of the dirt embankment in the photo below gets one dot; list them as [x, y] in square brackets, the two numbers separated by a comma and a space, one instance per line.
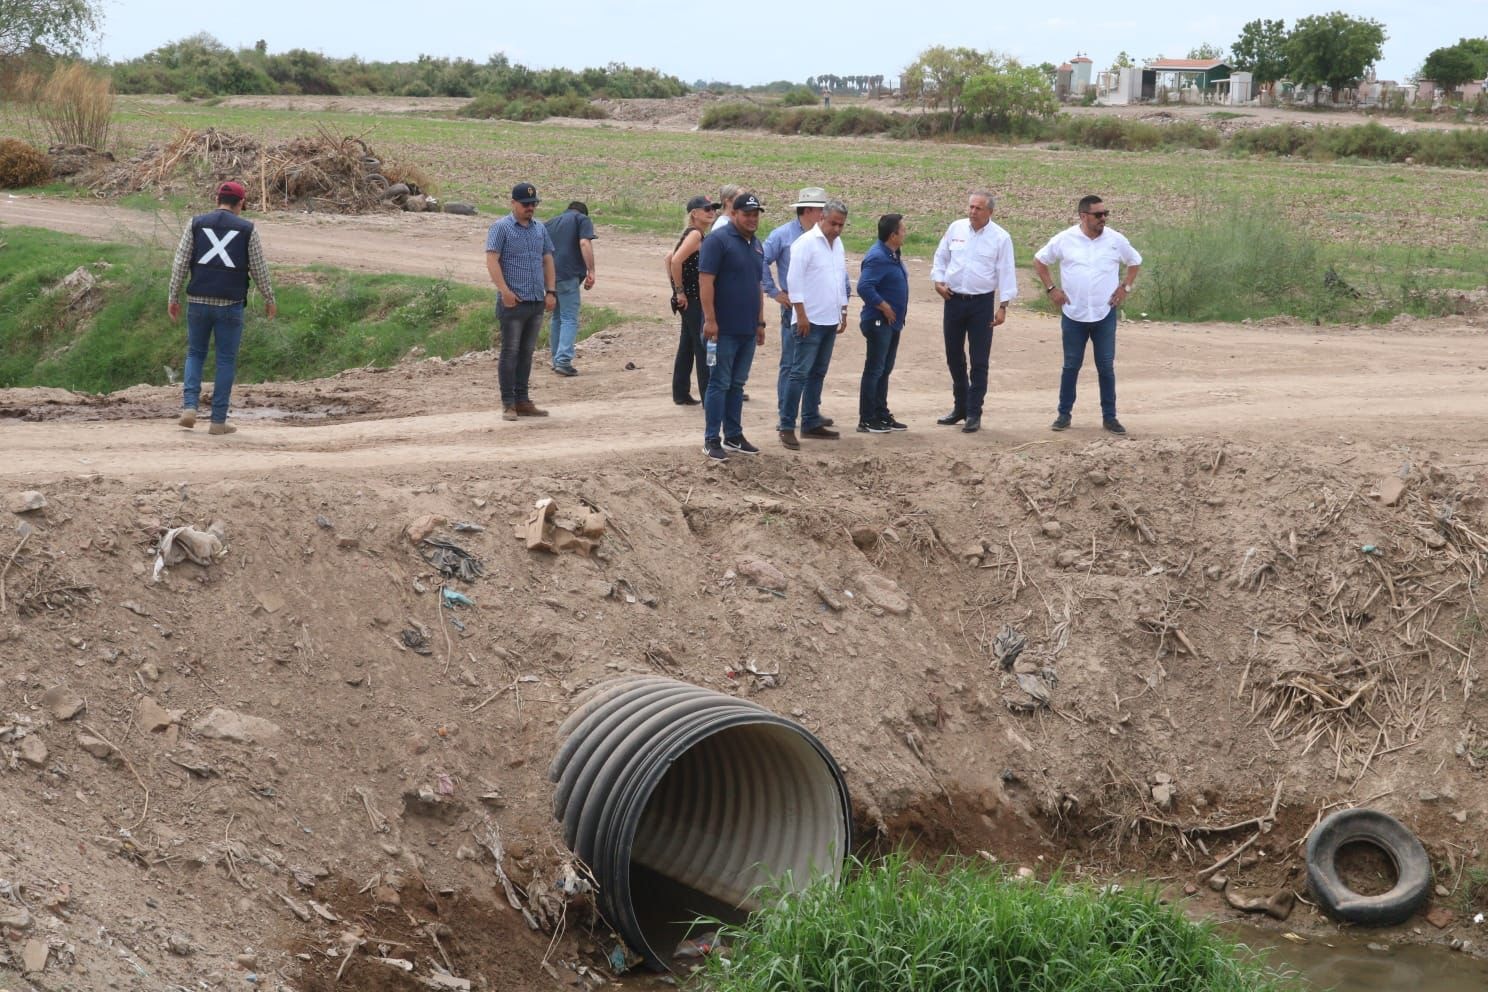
[1227, 617]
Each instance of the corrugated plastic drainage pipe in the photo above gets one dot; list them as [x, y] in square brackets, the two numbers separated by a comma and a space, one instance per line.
[683, 800]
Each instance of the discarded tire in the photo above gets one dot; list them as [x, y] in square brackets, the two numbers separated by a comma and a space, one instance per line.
[1389, 835]
[682, 801]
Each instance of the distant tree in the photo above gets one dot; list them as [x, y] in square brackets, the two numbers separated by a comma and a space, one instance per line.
[1206, 51]
[46, 25]
[1454, 65]
[939, 74]
[1009, 96]
[1122, 61]
[1334, 49]
[1261, 50]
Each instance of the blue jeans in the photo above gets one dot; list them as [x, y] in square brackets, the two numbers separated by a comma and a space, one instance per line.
[810, 357]
[519, 328]
[723, 403]
[206, 324]
[787, 352]
[1102, 337]
[878, 363]
[967, 326]
[563, 329]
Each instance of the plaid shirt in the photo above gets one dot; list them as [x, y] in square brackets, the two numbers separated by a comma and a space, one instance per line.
[258, 270]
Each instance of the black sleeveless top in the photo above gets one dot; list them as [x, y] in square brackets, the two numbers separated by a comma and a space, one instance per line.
[690, 269]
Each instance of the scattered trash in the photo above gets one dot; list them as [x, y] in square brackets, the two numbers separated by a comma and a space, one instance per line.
[1007, 645]
[466, 527]
[544, 530]
[453, 598]
[698, 947]
[621, 958]
[1370, 549]
[323, 523]
[181, 543]
[416, 641]
[452, 560]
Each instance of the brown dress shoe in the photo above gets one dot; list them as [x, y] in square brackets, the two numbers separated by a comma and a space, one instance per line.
[822, 432]
[788, 438]
[527, 408]
[508, 413]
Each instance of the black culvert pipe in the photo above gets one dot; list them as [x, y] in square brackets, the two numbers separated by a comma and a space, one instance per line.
[682, 801]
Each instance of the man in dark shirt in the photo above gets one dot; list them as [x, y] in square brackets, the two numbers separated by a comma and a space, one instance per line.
[573, 258]
[730, 270]
[519, 259]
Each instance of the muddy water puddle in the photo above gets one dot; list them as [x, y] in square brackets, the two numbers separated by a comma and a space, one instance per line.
[105, 409]
[1346, 963]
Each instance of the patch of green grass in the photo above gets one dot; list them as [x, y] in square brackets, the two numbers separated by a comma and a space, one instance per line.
[1472, 891]
[960, 927]
[329, 319]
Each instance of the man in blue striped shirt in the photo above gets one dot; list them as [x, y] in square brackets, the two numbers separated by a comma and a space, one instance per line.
[519, 257]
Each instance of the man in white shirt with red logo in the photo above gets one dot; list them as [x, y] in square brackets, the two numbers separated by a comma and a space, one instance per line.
[1090, 257]
[973, 272]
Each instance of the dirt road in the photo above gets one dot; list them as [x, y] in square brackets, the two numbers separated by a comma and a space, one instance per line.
[1420, 383]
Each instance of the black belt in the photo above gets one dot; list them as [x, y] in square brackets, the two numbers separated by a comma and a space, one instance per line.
[970, 296]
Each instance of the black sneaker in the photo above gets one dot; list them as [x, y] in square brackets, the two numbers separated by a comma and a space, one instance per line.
[1114, 426]
[565, 370]
[872, 427]
[1061, 423]
[893, 424]
[715, 451]
[740, 445]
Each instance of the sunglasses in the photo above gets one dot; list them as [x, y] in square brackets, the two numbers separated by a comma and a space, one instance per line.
[1102, 214]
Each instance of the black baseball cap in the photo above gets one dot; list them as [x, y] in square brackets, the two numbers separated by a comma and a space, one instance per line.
[747, 201]
[525, 193]
[703, 203]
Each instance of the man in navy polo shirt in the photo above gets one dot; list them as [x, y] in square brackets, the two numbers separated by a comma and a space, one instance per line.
[730, 269]
[519, 258]
[573, 259]
[221, 251]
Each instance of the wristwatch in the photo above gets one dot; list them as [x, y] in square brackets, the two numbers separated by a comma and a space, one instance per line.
[552, 292]
[1049, 288]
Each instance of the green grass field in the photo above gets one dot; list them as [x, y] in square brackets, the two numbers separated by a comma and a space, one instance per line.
[1399, 233]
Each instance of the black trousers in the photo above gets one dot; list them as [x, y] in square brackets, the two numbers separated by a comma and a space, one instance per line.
[967, 326]
[691, 354]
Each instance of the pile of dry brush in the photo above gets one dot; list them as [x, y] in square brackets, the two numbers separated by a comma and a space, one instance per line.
[319, 172]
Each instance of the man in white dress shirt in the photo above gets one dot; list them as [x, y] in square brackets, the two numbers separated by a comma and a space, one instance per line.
[1090, 257]
[973, 272]
[818, 293]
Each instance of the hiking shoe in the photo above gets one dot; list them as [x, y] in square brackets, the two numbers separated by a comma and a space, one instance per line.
[1061, 423]
[1114, 426]
[872, 427]
[566, 370]
[508, 413]
[821, 432]
[217, 428]
[788, 438]
[188, 418]
[527, 408]
[893, 424]
[740, 445]
[715, 451]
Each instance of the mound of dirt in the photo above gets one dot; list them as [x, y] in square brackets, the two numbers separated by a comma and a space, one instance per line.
[680, 113]
[293, 761]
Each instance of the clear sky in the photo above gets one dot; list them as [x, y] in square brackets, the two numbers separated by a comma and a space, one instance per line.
[756, 43]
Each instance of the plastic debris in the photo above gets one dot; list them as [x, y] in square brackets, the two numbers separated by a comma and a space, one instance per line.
[452, 560]
[453, 598]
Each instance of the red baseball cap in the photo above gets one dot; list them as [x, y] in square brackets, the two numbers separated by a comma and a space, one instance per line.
[231, 188]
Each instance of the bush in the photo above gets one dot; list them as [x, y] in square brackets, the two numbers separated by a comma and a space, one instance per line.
[799, 96]
[22, 165]
[75, 105]
[732, 116]
[958, 927]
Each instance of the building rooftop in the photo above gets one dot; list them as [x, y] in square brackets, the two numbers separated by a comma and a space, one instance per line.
[1195, 65]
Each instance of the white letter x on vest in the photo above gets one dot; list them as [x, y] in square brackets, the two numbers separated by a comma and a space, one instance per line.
[218, 247]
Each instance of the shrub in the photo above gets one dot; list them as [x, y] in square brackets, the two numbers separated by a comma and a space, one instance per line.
[22, 165]
[799, 96]
[76, 106]
[729, 116]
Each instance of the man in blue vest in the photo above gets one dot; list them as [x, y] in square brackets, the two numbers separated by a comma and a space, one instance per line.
[222, 254]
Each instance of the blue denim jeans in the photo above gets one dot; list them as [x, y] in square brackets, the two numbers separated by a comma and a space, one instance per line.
[878, 362]
[209, 324]
[967, 326]
[723, 404]
[787, 352]
[1102, 337]
[519, 329]
[810, 357]
[563, 329]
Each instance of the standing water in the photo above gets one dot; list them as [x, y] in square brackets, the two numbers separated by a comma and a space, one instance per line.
[1344, 961]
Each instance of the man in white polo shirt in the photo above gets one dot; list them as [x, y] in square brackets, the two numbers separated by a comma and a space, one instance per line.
[1090, 257]
[973, 272]
[818, 293]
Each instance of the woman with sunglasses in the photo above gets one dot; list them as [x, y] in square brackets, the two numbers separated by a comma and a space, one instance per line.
[682, 270]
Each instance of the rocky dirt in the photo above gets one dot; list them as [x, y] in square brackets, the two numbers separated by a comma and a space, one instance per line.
[1112, 656]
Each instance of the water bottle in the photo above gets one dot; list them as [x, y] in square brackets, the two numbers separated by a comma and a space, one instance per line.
[712, 352]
